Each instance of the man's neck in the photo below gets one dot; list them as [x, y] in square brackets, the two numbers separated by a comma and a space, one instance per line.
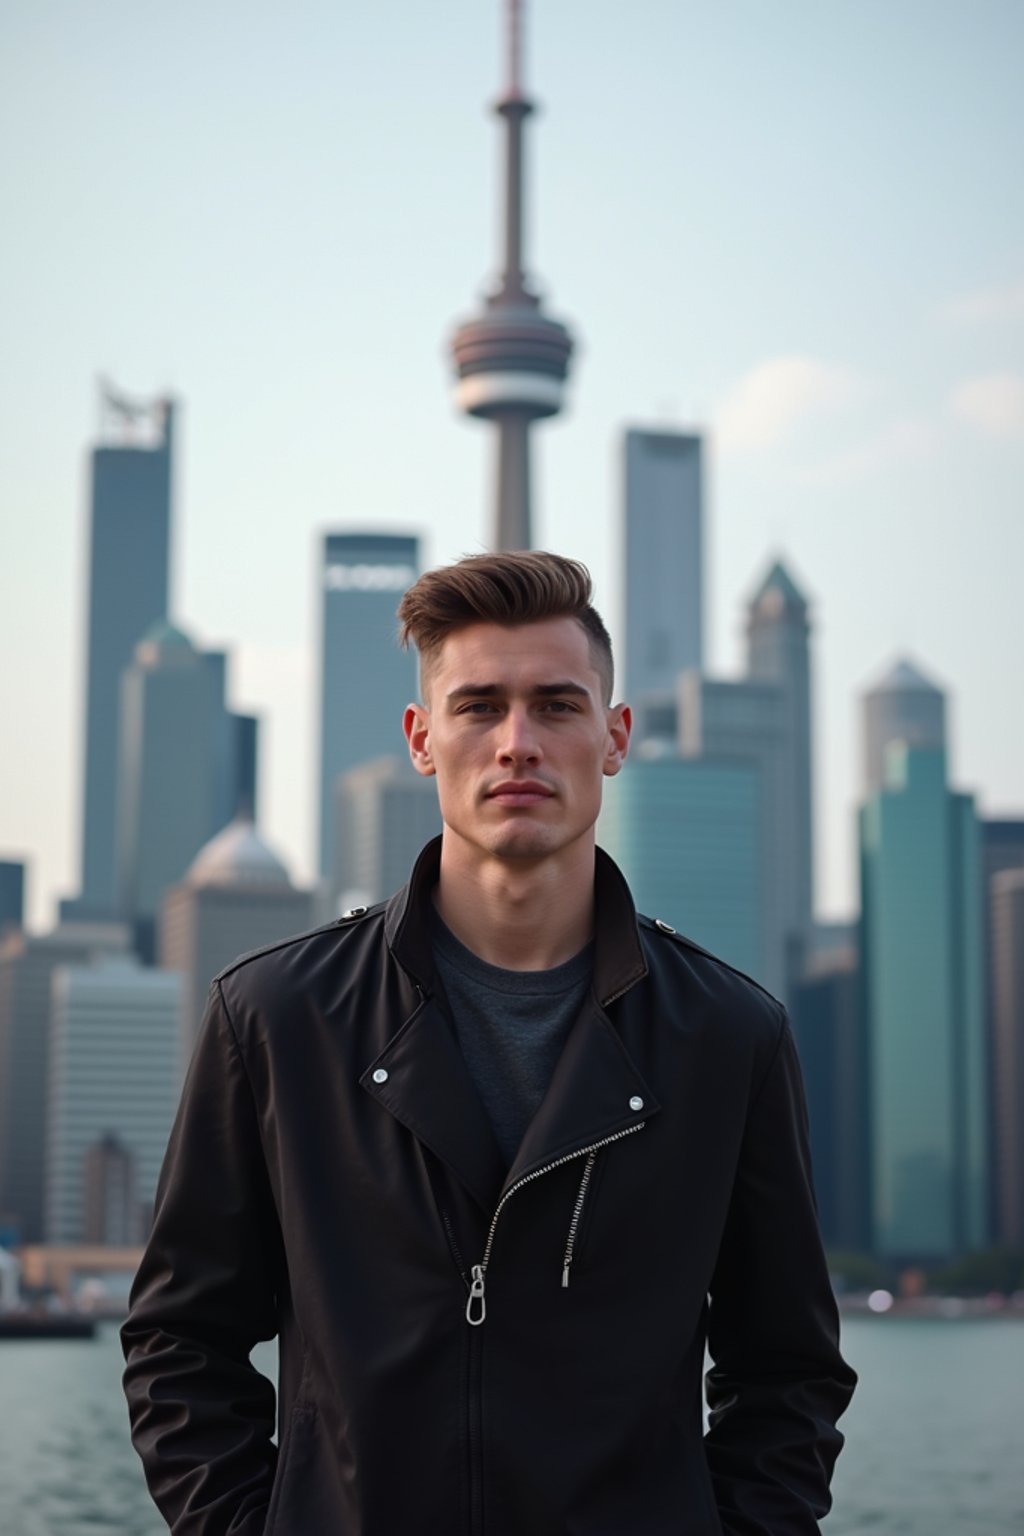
[522, 916]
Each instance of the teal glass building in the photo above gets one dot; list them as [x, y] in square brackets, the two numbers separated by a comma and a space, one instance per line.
[922, 954]
[688, 837]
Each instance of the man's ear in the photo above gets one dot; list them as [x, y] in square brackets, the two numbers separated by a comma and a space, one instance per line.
[416, 725]
[620, 723]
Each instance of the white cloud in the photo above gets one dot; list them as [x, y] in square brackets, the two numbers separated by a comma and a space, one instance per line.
[774, 399]
[1003, 303]
[993, 404]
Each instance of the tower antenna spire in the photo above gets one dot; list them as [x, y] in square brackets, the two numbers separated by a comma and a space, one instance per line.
[515, 57]
[512, 360]
[514, 107]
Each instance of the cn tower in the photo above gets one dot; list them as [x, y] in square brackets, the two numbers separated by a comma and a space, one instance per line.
[512, 359]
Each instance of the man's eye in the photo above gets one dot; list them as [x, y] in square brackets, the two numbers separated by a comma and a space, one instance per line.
[560, 706]
[477, 707]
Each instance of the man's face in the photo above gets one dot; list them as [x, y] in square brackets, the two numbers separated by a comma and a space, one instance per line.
[517, 732]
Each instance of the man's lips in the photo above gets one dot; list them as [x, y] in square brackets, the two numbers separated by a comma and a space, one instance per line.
[520, 792]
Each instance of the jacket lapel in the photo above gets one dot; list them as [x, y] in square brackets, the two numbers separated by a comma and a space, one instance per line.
[429, 1089]
[590, 1096]
[428, 1086]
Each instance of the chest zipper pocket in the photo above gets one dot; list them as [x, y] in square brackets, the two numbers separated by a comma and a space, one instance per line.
[476, 1306]
[577, 1214]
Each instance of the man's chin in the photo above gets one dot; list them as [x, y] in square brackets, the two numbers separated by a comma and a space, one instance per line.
[522, 841]
[522, 845]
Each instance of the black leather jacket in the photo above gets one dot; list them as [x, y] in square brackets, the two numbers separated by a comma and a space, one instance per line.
[332, 1178]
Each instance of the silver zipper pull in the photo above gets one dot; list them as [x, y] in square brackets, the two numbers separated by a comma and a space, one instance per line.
[476, 1298]
[565, 1274]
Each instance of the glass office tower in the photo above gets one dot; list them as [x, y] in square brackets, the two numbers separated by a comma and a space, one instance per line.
[129, 562]
[366, 679]
[663, 563]
[922, 952]
[688, 838]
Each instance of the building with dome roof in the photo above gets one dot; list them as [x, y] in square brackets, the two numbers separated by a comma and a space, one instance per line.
[236, 896]
[238, 856]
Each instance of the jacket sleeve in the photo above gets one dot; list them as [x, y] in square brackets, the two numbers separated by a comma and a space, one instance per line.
[777, 1382]
[202, 1417]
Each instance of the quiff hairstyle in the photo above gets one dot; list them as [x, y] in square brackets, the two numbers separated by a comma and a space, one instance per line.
[522, 587]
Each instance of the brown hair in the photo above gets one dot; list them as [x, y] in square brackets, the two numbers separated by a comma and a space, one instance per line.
[515, 588]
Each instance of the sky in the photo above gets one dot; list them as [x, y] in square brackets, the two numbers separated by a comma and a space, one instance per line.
[797, 227]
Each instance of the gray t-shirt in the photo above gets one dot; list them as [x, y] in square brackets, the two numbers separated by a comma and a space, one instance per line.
[511, 1027]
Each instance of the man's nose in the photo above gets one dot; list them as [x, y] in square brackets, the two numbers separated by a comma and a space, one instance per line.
[519, 741]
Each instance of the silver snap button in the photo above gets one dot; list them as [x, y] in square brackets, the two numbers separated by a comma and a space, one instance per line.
[636, 1102]
[380, 1076]
[665, 927]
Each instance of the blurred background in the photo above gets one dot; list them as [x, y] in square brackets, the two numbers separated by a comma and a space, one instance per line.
[274, 340]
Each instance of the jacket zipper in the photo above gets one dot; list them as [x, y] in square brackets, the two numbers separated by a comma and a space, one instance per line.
[453, 1246]
[577, 1211]
[476, 1306]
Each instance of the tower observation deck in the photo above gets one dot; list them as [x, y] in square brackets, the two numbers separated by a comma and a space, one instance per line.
[511, 360]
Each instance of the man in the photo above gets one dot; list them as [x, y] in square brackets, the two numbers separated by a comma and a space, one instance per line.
[493, 1160]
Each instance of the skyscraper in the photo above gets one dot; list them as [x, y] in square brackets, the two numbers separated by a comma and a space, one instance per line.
[113, 1215]
[1002, 851]
[763, 718]
[902, 706]
[366, 679]
[663, 560]
[129, 556]
[1008, 1042]
[721, 720]
[778, 652]
[27, 964]
[178, 772]
[921, 948]
[512, 360]
[386, 811]
[236, 896]
[242, 780]
[114, 1072]
[826, 1010]
[688, 837]
[12, 894]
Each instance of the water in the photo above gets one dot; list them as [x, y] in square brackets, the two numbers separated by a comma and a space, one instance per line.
[934, 1429]
[933, 1436]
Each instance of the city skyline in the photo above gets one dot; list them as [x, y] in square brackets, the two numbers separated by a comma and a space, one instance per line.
[780, 234]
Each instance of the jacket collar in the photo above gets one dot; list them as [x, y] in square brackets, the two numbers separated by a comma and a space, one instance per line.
[619, 960]
[597, 1090]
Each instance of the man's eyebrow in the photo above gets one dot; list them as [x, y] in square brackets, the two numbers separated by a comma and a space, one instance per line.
[550, 690]
[495, 690]
[473, 691]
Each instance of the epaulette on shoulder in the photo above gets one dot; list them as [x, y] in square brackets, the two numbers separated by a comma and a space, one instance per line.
[661, 926]
[297, 938]
[354, 914]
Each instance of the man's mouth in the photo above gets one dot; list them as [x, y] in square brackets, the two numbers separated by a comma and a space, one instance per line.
[520, 792]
